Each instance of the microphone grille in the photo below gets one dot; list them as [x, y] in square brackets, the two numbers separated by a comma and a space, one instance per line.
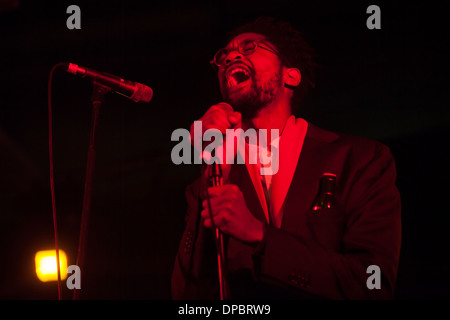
[142, 93]
[72, 68]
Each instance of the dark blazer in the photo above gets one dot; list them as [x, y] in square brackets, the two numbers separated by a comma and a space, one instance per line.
[313, 255]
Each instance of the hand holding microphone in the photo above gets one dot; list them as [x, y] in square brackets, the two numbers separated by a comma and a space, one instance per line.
[220, 116]
[228, 211]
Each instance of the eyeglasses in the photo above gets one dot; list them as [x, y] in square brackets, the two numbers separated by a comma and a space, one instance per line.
[245, 47]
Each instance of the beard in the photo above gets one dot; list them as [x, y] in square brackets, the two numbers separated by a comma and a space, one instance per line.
[256, 98]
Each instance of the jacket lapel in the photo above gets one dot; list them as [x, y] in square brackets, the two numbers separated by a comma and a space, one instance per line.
[289, 151]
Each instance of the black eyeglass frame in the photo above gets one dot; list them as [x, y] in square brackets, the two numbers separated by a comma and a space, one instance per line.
[241, 50]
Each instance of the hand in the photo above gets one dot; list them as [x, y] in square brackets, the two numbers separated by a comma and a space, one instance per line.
[220, 116]
[231, 215]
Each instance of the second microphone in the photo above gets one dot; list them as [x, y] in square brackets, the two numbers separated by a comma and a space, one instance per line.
[132, 90]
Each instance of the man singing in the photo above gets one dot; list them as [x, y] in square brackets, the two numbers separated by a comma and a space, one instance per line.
[281, 240]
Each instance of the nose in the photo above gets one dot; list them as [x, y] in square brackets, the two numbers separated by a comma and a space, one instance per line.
[232, 56]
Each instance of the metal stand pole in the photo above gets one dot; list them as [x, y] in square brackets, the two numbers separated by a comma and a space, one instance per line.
[98, 94]
[217, 180]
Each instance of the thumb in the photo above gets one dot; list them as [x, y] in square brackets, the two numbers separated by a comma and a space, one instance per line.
[234, 118]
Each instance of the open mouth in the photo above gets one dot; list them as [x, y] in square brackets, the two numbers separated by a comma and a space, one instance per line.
[237, 76]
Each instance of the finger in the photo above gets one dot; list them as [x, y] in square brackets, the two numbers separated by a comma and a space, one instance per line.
[216, 114]
[215, 191]
[207, 223]
[218, 222]
[218, 110]
[233, 118]
[205, 214]
[217, 121]
[222, 128]
[216, 203]
[224, 190]
[213, 121]
[225, 106]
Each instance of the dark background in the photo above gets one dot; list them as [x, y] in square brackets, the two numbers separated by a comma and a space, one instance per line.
[389, 85]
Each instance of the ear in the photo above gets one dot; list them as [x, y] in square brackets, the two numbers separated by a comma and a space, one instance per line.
[292, 77]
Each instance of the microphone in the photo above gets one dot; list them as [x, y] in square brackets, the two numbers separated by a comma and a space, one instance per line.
[132, 90]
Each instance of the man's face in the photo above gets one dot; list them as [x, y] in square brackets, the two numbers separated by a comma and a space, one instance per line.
[250, 82]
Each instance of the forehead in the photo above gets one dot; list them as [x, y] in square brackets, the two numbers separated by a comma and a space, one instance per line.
[245, 36]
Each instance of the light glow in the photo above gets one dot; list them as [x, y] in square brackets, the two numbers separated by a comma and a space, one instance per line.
[46, 268]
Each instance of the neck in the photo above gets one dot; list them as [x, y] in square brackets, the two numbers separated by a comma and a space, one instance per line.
[273, 116]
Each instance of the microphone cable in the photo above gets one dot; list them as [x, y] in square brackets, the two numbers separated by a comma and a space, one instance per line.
[52, 182]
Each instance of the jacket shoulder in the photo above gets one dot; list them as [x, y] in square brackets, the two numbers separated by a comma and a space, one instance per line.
[343, 140]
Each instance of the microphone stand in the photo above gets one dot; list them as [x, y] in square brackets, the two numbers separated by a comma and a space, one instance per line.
[98, 94]
[216, 179]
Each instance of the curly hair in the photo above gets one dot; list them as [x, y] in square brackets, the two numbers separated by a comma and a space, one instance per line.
[294, 50]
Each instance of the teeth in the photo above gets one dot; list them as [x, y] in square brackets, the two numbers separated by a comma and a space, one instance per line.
[232, 81]
[238, 70]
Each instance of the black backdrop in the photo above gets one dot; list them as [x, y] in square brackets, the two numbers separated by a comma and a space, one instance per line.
[387, 84]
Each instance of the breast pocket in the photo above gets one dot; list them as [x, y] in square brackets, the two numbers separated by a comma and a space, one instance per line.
[326, 226]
